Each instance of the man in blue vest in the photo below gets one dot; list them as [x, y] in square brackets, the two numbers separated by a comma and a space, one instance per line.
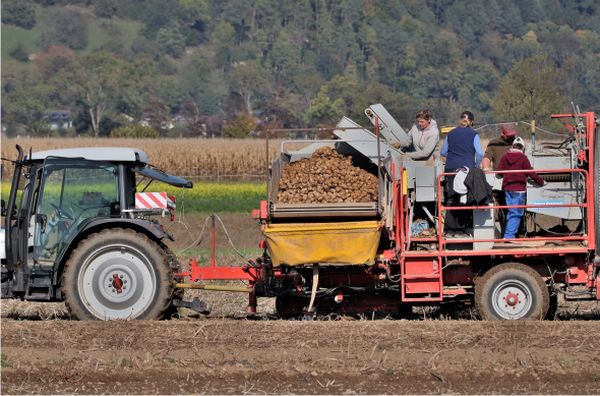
[462, 149]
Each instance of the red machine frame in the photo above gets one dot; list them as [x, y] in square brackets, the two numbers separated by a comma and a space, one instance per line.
[421, 273]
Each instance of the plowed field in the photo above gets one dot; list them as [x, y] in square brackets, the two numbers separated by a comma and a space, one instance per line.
[239, 356]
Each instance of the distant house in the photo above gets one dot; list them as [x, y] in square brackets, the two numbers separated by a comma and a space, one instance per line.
[127, 117]
[148, 120]
[58, 119]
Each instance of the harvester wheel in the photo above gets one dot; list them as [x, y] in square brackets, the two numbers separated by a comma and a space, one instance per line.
[289, 307]
[512, 291]
[117, 274]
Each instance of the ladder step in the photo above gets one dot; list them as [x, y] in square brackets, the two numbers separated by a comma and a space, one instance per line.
[421, 276]
[421, 280]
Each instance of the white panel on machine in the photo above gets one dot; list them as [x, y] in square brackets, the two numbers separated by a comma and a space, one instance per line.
[389, 128]
[362, 140]
[560, 193]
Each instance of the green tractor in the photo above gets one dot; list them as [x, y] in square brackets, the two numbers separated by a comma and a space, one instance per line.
[73, 233]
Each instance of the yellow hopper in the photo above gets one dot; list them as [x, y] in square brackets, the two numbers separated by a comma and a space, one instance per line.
[323, 243]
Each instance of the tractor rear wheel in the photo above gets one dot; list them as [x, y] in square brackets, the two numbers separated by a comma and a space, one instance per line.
[512, 291]
[117, 274]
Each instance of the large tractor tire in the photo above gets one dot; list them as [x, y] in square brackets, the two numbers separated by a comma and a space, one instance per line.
[117, 274]
[512, 291]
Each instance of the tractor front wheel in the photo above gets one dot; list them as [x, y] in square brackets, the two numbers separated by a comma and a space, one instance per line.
[512, 291]
[117, 274]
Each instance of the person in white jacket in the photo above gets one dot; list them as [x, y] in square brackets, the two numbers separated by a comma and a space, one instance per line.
[423, 137]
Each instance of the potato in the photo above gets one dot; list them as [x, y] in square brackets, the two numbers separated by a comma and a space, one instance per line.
[326, 177]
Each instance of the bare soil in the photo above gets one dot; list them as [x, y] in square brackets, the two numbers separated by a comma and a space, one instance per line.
[228, 356]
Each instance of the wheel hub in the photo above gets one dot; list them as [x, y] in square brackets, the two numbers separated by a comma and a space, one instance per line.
[512, 299]
[117, 283]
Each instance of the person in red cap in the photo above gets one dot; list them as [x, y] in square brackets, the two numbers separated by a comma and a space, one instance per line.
[497, 147]
[515, 184]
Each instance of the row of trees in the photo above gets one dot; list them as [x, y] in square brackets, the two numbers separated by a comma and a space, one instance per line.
[223, 66]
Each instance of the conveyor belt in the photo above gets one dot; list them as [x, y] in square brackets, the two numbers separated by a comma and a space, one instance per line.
[284, 211]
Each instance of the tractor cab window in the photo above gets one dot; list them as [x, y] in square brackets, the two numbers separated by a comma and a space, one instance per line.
[72, 191]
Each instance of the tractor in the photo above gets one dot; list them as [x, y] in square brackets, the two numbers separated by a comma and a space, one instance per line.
[74, 233]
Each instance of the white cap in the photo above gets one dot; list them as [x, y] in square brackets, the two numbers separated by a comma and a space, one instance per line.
[519, 141]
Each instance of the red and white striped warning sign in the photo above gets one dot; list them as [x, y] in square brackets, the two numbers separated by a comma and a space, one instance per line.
[154, 200]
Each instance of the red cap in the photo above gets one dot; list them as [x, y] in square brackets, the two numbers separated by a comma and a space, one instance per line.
[508, 131]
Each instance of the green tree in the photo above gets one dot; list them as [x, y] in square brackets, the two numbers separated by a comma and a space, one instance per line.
[27, 104]
[103, 84]
[20, 13]
[19, 53]
[54, 58]
[171, 41]
[273, 57]
[223, 39]
[240, 127]
[155, 14]
[196, 15]
[324, 110]
[106, 8]
[248, 81]
[586, 84]
[207, 89]
[284, 55]
[348, 89]
[538, 76]
[524, 47]
[66, 27]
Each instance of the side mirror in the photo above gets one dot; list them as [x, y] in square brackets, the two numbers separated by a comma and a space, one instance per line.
[3, 211]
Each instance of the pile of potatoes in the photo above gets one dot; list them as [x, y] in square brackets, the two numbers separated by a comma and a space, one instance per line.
[326, 177]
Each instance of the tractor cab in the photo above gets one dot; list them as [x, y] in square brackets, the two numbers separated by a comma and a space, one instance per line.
[60, 197]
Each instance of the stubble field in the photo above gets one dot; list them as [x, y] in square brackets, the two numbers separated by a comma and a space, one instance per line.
[229, 356]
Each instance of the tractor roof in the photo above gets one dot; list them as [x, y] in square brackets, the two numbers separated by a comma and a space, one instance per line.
[113, 154]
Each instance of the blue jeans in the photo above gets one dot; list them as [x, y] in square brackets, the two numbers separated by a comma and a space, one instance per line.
[513, 215]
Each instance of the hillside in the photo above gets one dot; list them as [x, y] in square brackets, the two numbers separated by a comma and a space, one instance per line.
[206, 68]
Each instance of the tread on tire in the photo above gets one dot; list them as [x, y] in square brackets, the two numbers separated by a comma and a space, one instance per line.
[128, 255]
[497, 293]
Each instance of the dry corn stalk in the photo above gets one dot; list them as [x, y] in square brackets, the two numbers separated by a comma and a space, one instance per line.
[326, 177]
[210, 159]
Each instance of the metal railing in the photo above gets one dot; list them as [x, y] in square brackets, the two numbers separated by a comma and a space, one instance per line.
[584, 236]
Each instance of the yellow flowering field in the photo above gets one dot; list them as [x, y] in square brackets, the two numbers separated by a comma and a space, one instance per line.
[207, 197]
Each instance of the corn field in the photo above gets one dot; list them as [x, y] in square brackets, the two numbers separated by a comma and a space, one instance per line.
[203, 159]
[196, 159]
